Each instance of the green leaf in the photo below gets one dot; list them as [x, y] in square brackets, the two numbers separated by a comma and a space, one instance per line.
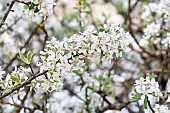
[26, 7]
[58, 61]
[29, 56]
[40, 81]
[96, 34]
[36, 10]
[162, 15]
[31, 6]
[66, 52]
[101, 29]
[31, 84]
[22, 57]
[22, 79]
[107, 80]
[145, 103]
[46, 55]
[107, 89]
[89, 12]
[113, 94]
[14, 79]
[77, 71]
[56, 81]
[152, 75]
[86, 4]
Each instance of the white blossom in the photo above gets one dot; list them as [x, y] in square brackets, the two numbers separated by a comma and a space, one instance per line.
[147, 87]
[166, 41]
[40, 9]
[151, 30]
[158, 109]
[69, 56]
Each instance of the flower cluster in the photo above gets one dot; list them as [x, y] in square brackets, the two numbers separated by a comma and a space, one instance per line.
[166, 41]
[164, 9]
[37, 9]
[18, 76]
[159, 109]
[147, 87]
[69, 56]
[151, 30]
[160, 10]
[149, 9]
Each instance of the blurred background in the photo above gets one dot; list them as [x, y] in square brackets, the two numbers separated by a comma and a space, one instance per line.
[102, 89]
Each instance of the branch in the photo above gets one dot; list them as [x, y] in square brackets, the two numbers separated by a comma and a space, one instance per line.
[114, 106]
[27, 41]
[103, 95]
[149, 104]
[14, 104]
[23, 84]
[131, 31]
[7, 13]
[23, 100]
[10, 27]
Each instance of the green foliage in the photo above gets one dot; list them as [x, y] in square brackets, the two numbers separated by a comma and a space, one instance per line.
[77, 72]
[151, 75]
[28, 59]
[32, 6]
[29, 56]
[136, 96]
[145, 103]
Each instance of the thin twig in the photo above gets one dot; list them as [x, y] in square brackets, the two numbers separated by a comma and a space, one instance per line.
[149, 104]
[7, 13]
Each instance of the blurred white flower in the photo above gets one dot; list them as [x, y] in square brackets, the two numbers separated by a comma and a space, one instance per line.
[1, 72]
[151, 30]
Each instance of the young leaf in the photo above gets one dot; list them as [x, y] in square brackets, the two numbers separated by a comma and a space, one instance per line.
[29, 56]
[31, 6]
[22, 57]
[14, 79]
[145, 103]
[101, 29]
[77, 72]
[89, 12]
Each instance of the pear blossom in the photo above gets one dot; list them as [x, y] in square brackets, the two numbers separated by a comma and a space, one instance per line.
[147, 87]
[160, 11]
[158, 109]
[166, 41]
[151, 30]
[69, 56]
[39, 9]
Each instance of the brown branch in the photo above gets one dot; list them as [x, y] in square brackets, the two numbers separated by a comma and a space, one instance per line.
[10, 27]
[26, 3]
[163, 65]
[114, 107]
[26, 43]
[19, 1]
[103, 95]
[14, 104]
[42, 26]
[23, 100]
[32, 71]
[131, 31]
[7, 13]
